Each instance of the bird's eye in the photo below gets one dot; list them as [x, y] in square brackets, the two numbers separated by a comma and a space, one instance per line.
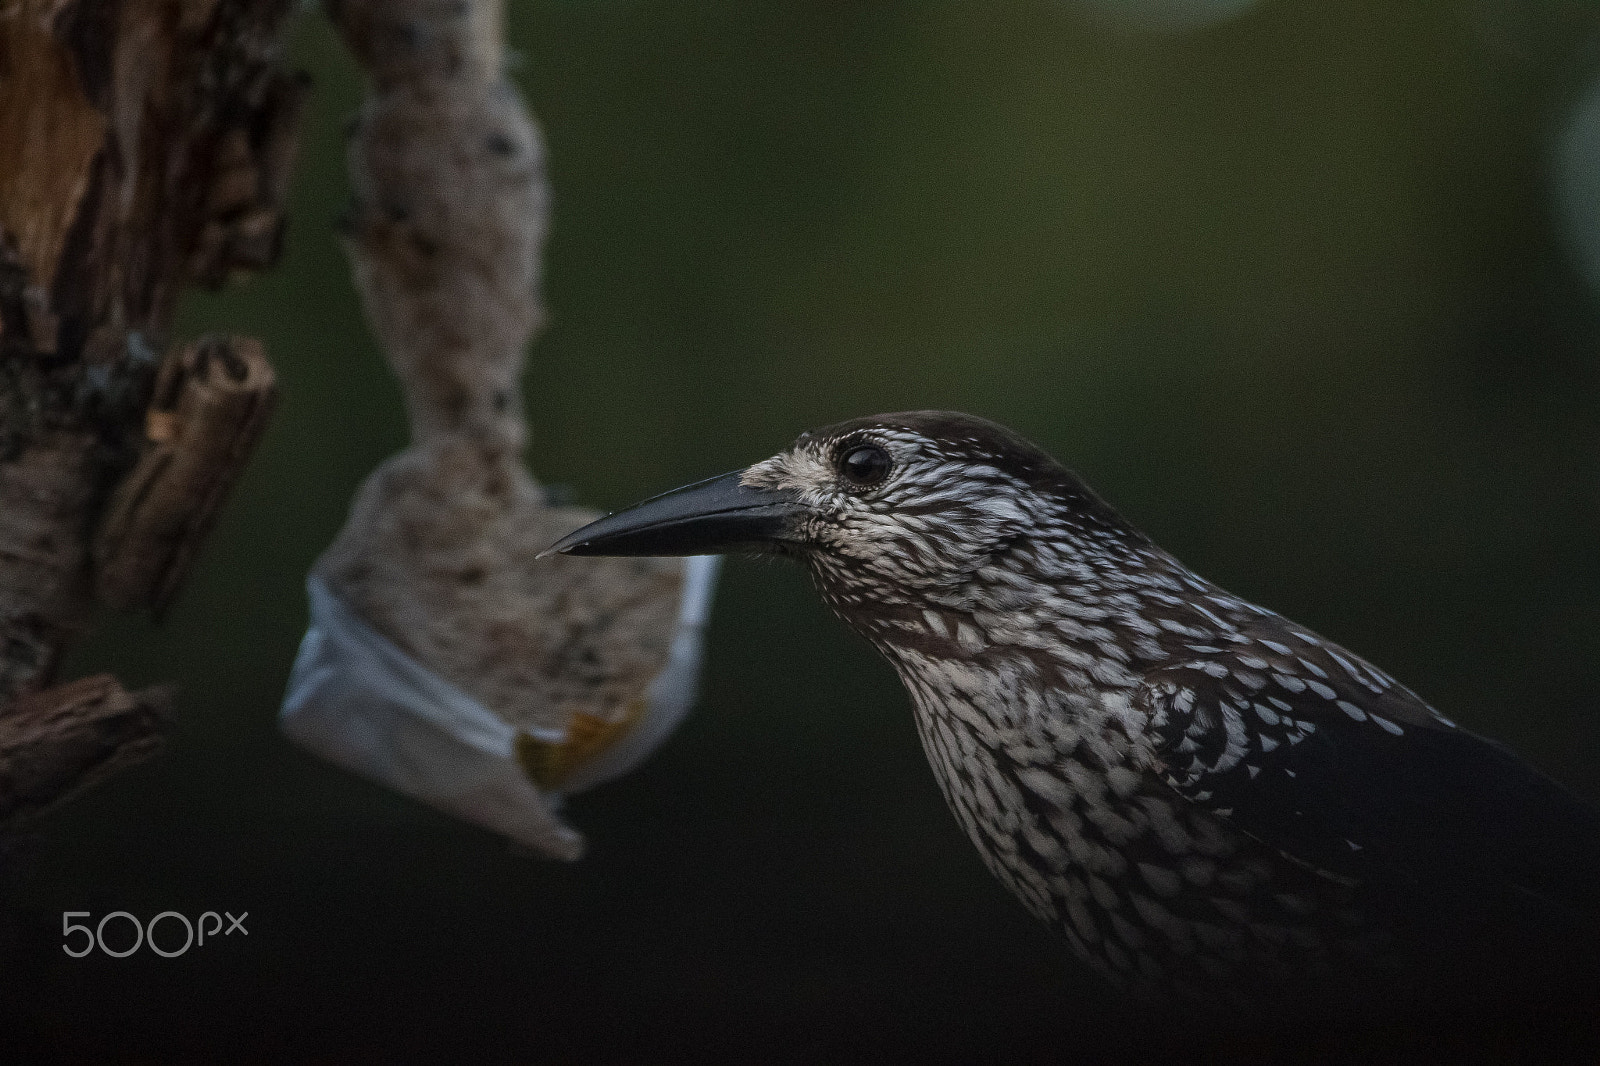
[864, 465]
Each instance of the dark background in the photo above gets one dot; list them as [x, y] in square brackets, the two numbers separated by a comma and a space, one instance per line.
[1290, 290]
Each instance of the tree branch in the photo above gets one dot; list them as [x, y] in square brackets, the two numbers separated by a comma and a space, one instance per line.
[147, 145]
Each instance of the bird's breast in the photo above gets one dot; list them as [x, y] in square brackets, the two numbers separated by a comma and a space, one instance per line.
[1055, 791]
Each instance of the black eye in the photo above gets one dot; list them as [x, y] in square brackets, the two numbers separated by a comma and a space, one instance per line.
[864, 465]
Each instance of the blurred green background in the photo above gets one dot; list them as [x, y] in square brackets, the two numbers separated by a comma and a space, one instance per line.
[1288, 289]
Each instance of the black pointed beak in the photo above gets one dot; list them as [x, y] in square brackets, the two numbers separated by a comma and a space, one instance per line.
[706, 518]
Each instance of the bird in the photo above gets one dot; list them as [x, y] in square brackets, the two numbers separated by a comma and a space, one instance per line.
[1210, 802]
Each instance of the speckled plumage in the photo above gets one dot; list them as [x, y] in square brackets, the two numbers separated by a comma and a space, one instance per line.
[1205, 798]
[1122, 740]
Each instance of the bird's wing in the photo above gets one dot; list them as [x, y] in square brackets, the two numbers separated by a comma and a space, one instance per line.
[1323, 757]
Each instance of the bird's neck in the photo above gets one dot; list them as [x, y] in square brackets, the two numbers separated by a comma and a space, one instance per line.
[1059, 629]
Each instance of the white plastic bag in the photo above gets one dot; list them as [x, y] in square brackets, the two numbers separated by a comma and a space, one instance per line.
[357, 700]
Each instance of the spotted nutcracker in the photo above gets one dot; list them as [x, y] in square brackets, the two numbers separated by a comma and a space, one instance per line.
[1203, 796]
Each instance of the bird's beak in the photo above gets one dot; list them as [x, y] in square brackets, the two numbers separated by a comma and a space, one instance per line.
[706, 518]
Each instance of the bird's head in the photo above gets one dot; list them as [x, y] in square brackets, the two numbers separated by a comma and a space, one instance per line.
[906, 506]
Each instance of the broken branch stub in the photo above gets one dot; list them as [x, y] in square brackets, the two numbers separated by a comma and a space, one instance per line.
[211, 403]
[56, 743]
